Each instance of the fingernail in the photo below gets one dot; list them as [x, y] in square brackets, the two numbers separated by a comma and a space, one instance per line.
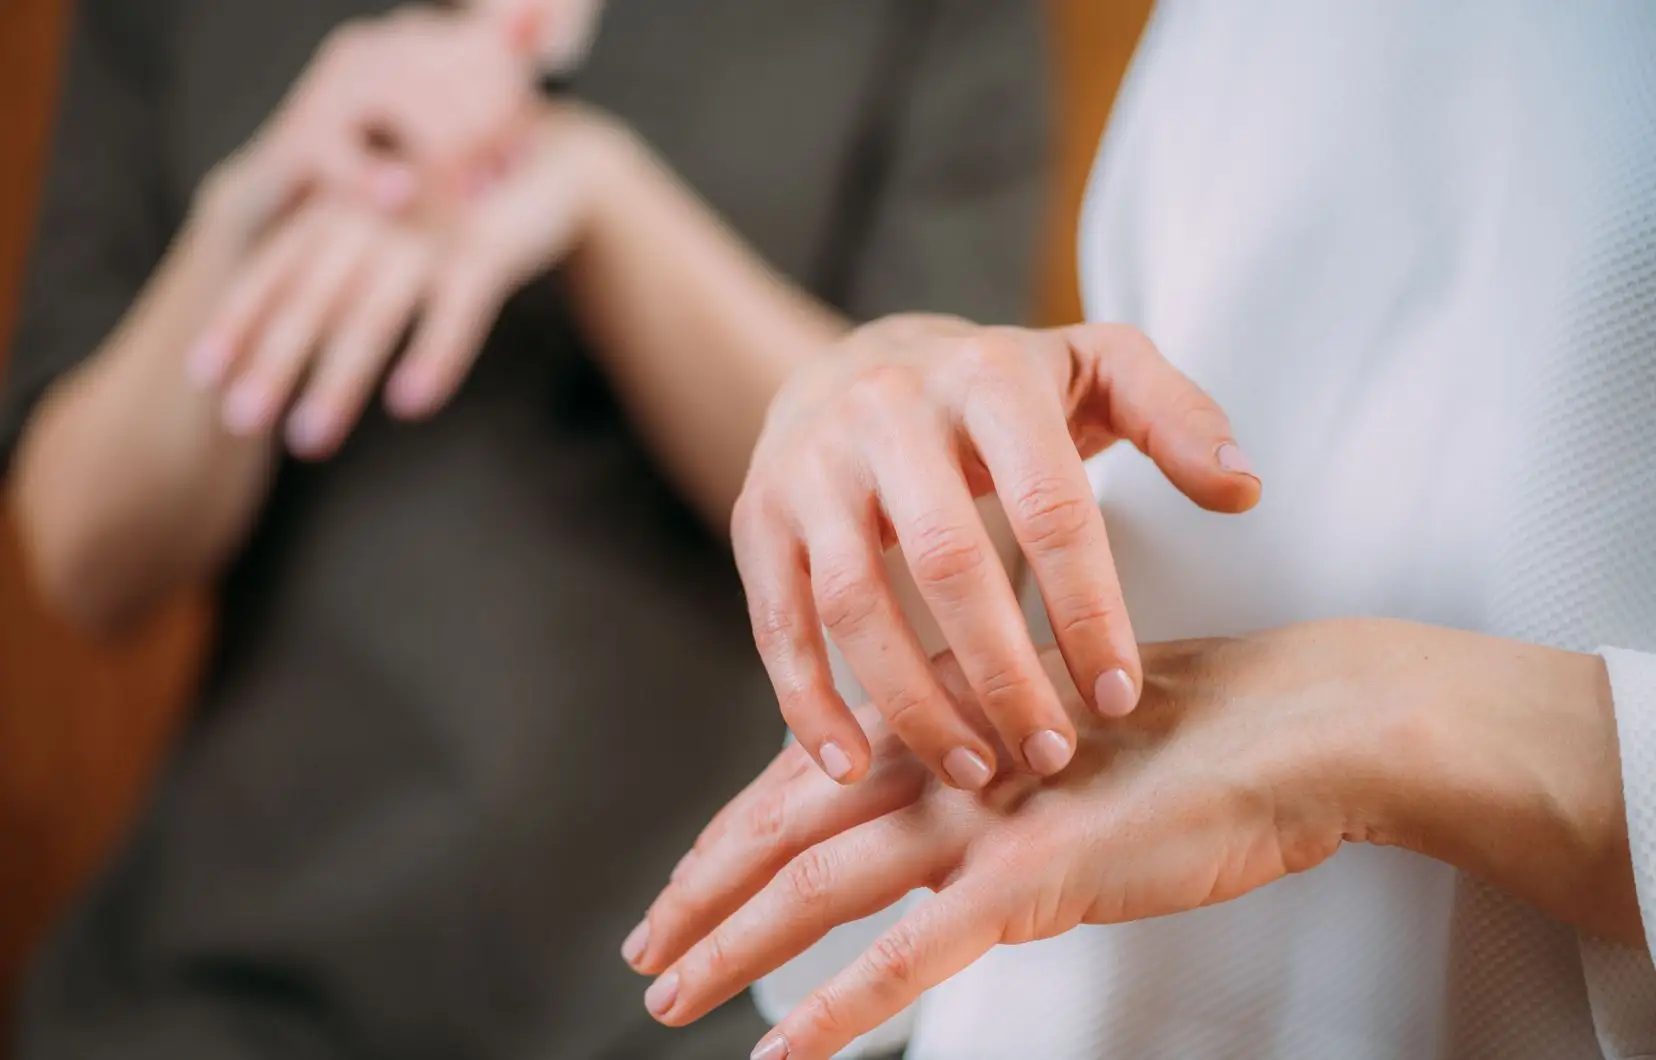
[245, 409]
[773, 1048]
[204, 366]
[835, 762]
[662, 993]
[1114, 695]
[1232, 459]
[683, 866]
[307, 430]
[633, 948]
[1047, 752]
[967, 769]
[408, 393]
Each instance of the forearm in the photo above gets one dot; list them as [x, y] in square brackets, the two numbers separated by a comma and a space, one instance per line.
[125, 485]
[696, 332]
[1507, 766]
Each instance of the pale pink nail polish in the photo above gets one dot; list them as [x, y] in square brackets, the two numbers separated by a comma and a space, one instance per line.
[637, 942]
[1114, 694]
[307, 430]
[835, 762]
[774, 1047]
[246, 409]
[1233, 460]
[662, 993]
[967, 769]
[1047, 752]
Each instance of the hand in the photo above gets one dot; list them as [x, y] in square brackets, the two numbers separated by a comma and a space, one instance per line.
[419, 102]
[891, 438]
[313, 319]
[1248, 759]
[559, 32]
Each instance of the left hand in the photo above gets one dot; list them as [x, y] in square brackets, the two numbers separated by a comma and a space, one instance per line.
[314, 318]
[1249, 759]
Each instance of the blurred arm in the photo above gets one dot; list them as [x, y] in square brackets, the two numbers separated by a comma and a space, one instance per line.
[695, 331]
[122, 482]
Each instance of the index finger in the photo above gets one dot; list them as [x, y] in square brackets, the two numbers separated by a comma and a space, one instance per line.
[933, 942]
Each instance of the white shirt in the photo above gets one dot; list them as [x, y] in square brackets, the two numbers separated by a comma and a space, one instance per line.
[1410, 246]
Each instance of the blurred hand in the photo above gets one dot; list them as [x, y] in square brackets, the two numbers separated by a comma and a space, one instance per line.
[557, 32]
[1179, 806]
[419, 103]
[312, 321]
[890, 439]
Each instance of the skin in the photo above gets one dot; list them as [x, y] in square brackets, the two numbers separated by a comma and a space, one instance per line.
[142, 470]
[1494, 756]
[888, 441]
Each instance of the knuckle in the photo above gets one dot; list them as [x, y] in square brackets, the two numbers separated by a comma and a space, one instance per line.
[810, 880]
[1081, 613]
[894, 959]
[767, 817]
[1051, 512]
[1006, 685]
[715, 954]
[847, 597]
[877, 390]
[991, 354]
[800, 707]
[946, 554]
[820, 1016]
[776, 628]
[903, 708]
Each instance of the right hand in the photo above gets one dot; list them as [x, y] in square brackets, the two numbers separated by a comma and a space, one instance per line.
[888, 440]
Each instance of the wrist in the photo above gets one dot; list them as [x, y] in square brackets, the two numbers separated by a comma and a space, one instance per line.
[1501, 758]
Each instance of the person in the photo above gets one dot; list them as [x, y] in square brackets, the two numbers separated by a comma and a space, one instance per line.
[1369, 774]
[481, 668]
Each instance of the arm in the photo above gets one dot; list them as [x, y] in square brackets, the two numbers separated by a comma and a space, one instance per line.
[90, 463]
[125, 483]
[695, 330]
[125, 480]
[698, 333]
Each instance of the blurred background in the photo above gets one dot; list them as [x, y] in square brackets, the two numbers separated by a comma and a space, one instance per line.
[82, 725]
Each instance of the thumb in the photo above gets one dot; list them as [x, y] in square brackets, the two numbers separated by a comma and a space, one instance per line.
[1125, 387]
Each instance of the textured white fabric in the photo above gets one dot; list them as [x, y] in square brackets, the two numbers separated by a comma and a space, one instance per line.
[1411, 247]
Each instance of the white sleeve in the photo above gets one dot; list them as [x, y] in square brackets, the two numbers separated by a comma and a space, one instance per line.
[1621, 980]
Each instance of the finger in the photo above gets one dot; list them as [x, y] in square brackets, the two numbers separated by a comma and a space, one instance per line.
[958, 573]
[938, 939]
[354, 357]
[774, 573]
[237, 322]
[1021, 434]
[851, 876]
[1153, 405]
[457, 320]
[292, 327]
[764, 828]
[855, 600]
